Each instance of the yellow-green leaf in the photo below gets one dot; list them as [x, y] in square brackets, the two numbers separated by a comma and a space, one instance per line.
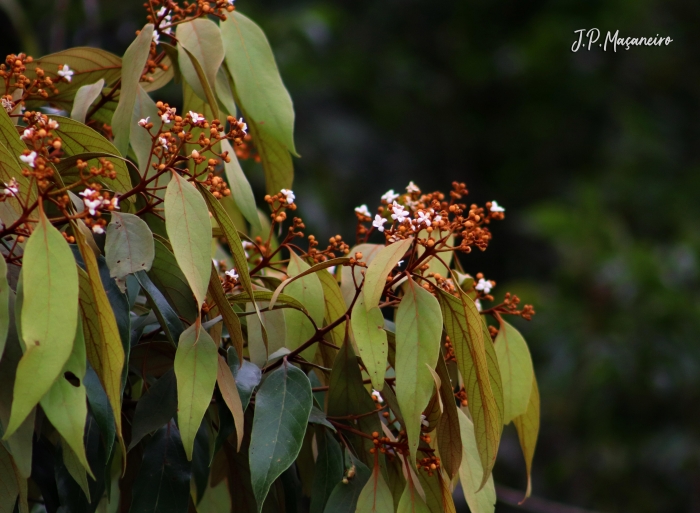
[480, 498]
[466, 331]
[375, 496]
[448, 434]
[515, 364]
[4, 305]
[202, 39]
[65, 404]
[141, 141]
[231, 320]
[133, 64]
[370, 339]
[257, 80]
[189, 229]
[411, 501]
[227, 385]
[9, 487]
[195, 368]
[240, 187]
[85, 96]
[49, 317]
[379, 269]
[334, 306]
[129, 246]
[528, 427]
[418, 331]
[351, 275]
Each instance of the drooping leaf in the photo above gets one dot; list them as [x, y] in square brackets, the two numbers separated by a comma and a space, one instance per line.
[379, 269]
[334, 306]
[11, 209]
[155, 408]
[132, 68]
[376, 495]
[438, 496]
[480, 498]
[84, 98]
[515, 364]
[257, 81]
[79, 140]
[4, 305]
[140, 138]
[328, 471]
[231, 321]
[275, 158]
[163, 481]
[247, 376]
[275, 328]
[9, 487]
[418, 332]
[411, 501]
[202, 39]
[189, 230]
[75, 468]
[448, 433]
[65, 404]
[229, 391]
[371, 341]
[172, 284]
[167, 318]
[300, 269]
[344, 497]
[129, 245]
[282, 408]
[49, 317]
[464, 327]
[100, 408]
[103, 343]
[240, 187]
[528, 427]
[309, 292]
[350, 275]
[195, 370]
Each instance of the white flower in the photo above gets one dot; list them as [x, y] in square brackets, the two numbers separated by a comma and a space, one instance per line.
[378, 222]
[7, 104]
[377, 396]
[390, 196]
[28, 159]
[232, 274]
[243, 126]
[423, 218]
[165, 117]
[162, 11]
[412, 188]
[114, 203]
[495, 207]
[143, 122]
[98, 229]
[53, 124]
[363, 211]
[484, 285]
[12, 188]
[156, 37]
[398, 212]
[331, 269]
[437, 219]
[92, 205]
[87, 193]
[478, 304]
[289, 194]
[196, 118]
[424, 421]
[65, 72]
[27, 134]
[399, 263]
[163, 142]
[231, 2]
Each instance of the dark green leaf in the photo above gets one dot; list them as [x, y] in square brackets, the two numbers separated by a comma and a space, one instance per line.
[344, 497]
[247, 376]
[329, 469]
[167, 276]
[155, 408]
[168, 319]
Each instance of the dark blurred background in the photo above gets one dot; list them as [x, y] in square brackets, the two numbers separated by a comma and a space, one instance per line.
[595, 156]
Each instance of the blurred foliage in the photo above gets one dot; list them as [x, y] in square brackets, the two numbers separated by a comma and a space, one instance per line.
[595, 156]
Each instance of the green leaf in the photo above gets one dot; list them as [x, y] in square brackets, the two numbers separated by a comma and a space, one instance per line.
[224, 93]
[418, 332]
[84, 98]
[229, 392]
[480, 498]
[247, 376]
[163, 482]
[282, 408]
[167, 318]
[438, 496]
[74, 467]
[344, 497]
[275, 328]
[379, 269]
[88, 65]
[100, 408]
[334, 306]
[515, 364]
[155, 408]
[103, 344]
[376, 495]
[309, 289]
[133, 64]
[274, 157]
[352, 275]
[371, 341]
[202, 40]
[240, 187]
[329, 469]
[448, 433]
[140, 138]
[189, 230]
[49, 317]
[78, 139]
[257, 80]
[171, 282]
[4, 305]
[528, 427]
[11, 209]
[466, 331]
[8, 482]
[411, 501]
[195, 369]
[129, 245]
[65, 404]
[231, 321]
